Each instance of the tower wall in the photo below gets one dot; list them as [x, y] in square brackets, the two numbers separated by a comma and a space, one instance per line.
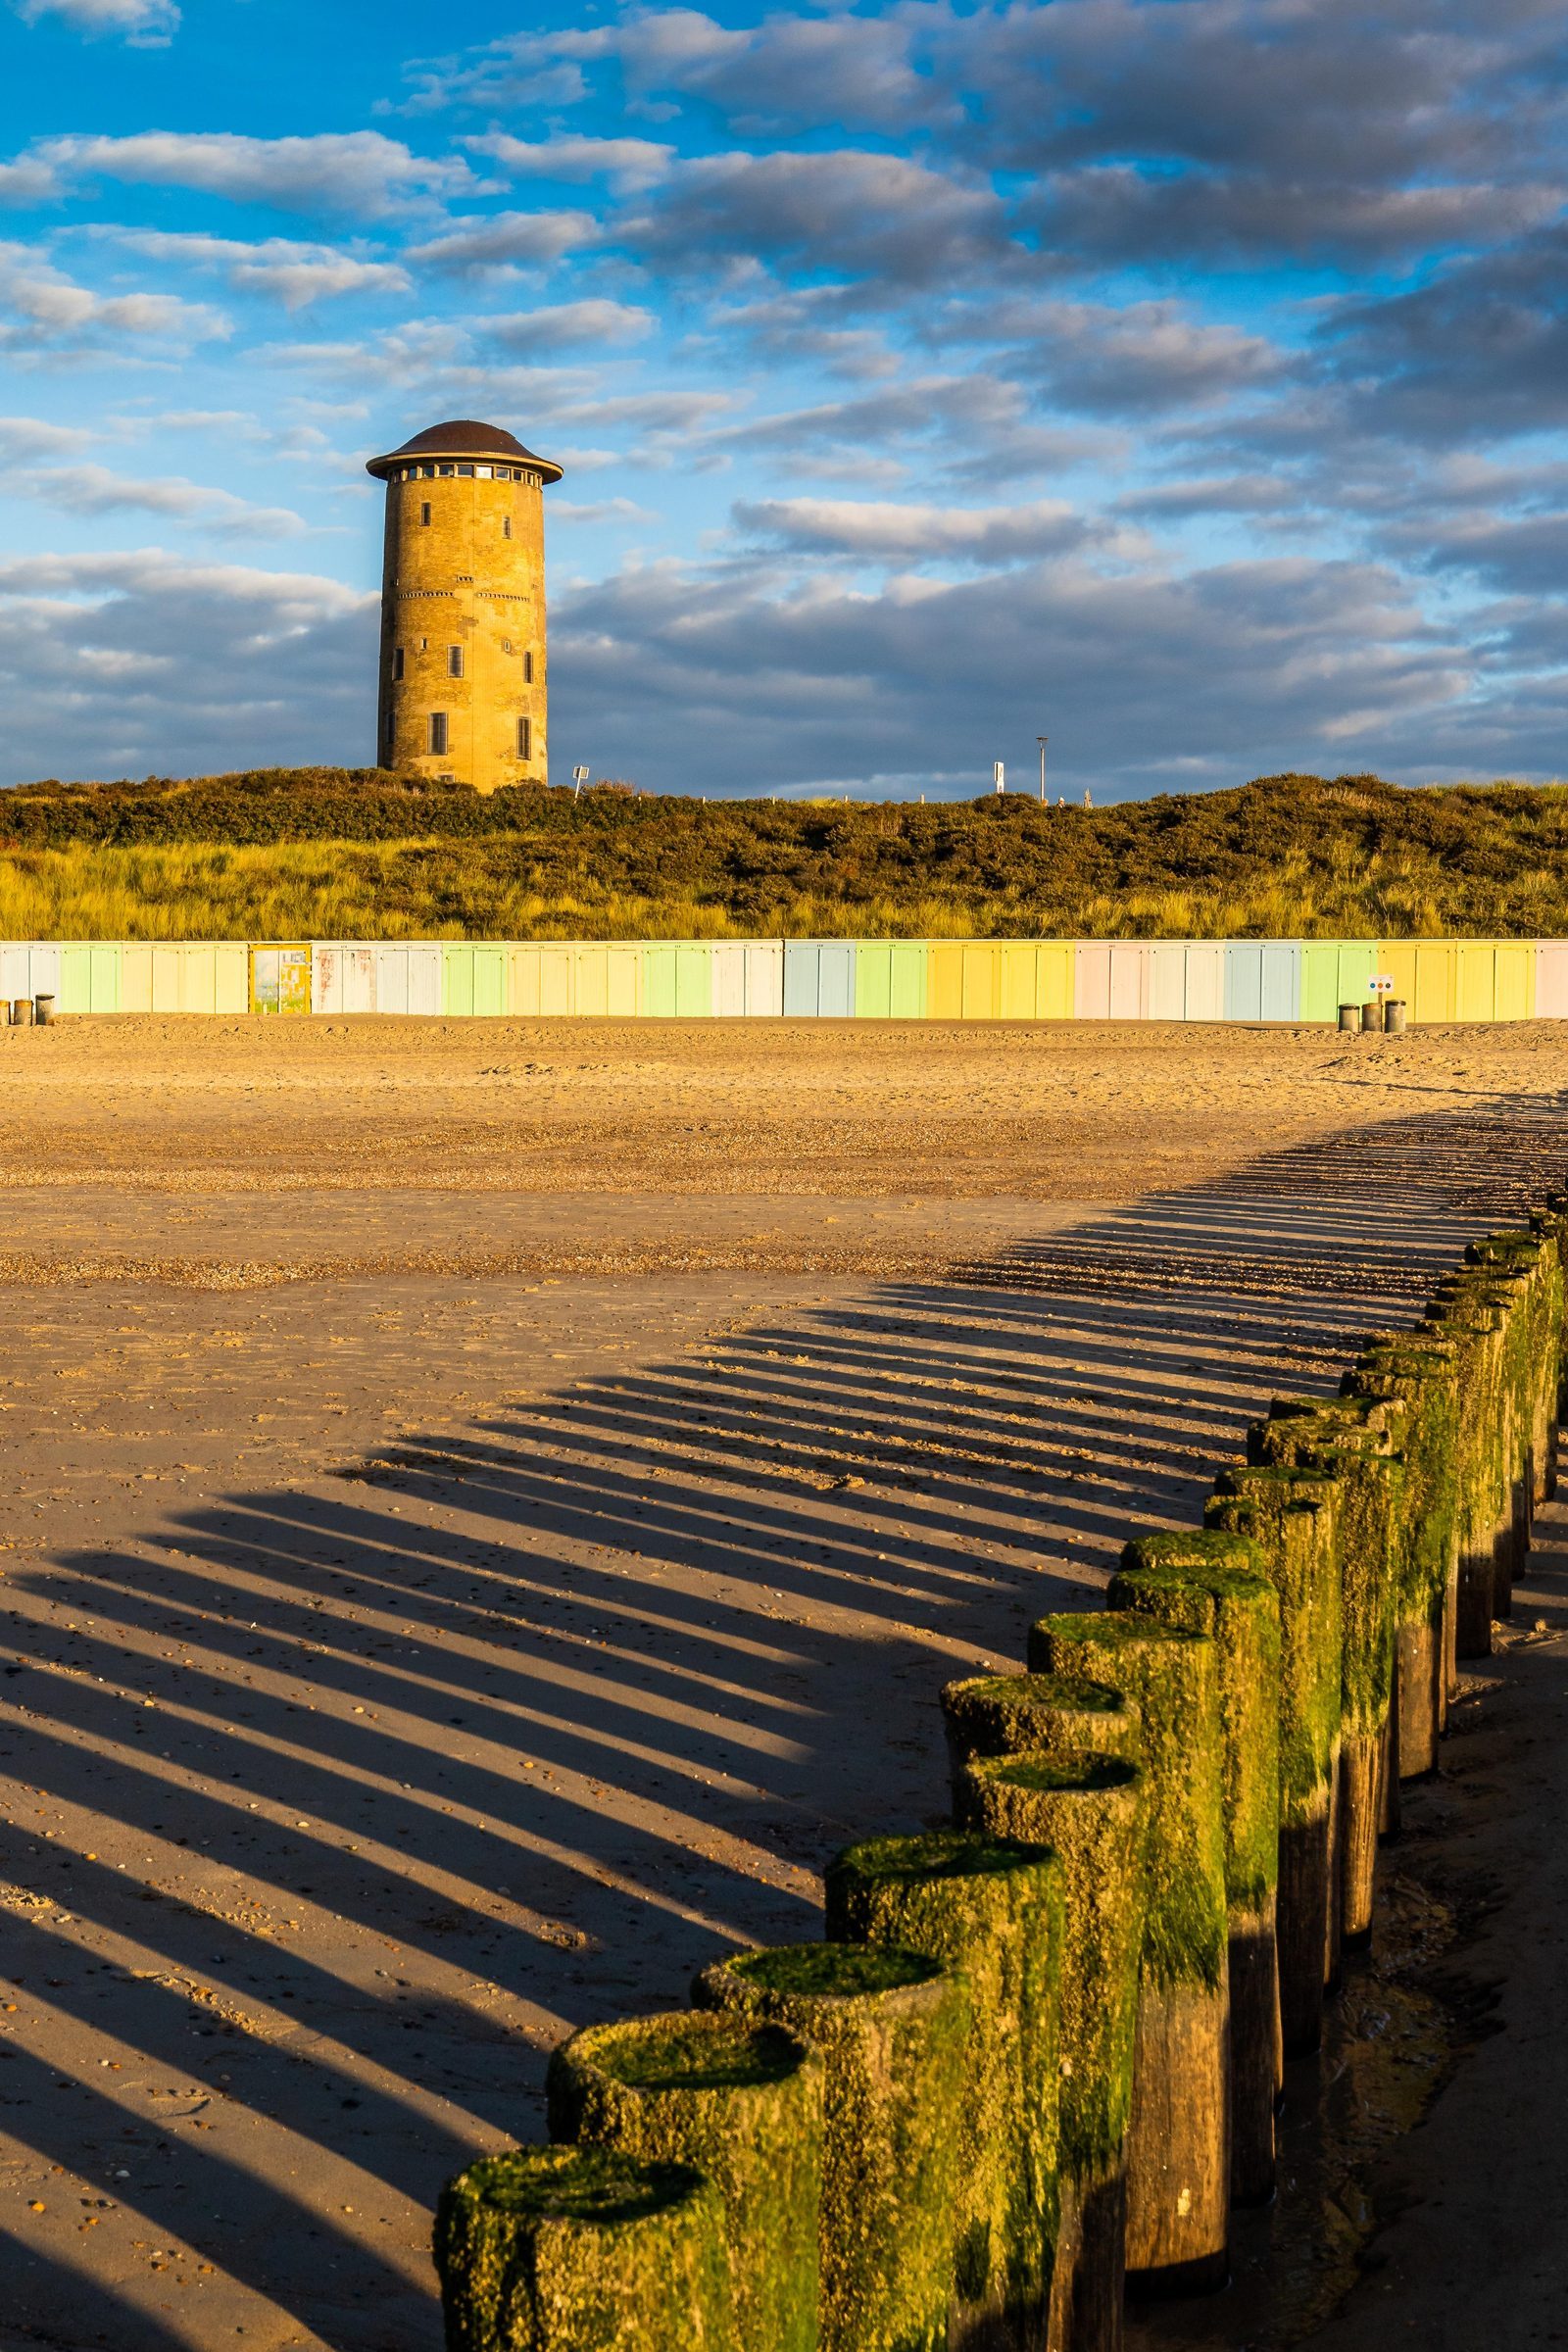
[459, 581]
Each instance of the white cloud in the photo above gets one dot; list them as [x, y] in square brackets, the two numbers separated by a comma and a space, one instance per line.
[627, 164]
[603, 509]
[97, 490]
[144, 24]
[27, 182]
[1122, 360]
[845, 209]
[569, 325]
[48, 307]
[293, 273]
[356, 171]
[117, 665]
[500, 240]
[886, 532]
[723, 683]
[31, 437]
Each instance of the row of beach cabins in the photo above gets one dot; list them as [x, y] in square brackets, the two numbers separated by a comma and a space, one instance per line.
[916, 980]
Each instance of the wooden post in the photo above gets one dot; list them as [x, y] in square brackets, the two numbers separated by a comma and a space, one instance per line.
[1089, 1812]
[1418, 1370]
[994, 1911]
[893, 2028]
[570, 2249]
[1179, 2156]
[741, 2104]
[1206, 1582]
[1356, 1440]
[1292, 1517]
[1034, 1714]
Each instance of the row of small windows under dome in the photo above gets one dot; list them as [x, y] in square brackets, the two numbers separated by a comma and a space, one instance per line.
[481, 474]
[457, 660]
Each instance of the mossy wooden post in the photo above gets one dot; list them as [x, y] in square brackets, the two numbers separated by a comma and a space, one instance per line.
[1179, 2150]
[994, 1910]
[1549, 1343]
[1471, 1321]
[582, 2250]
[892, 2026]
[1034, 1714]
[1349, 1438]
[1089, 1810]
[1517, 1273]
[738, 2103]
[1419, 1372]
[1550, 1222]
[1202, 1581]
[1292, 1517]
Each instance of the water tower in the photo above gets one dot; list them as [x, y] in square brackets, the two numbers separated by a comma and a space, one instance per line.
[463, 691]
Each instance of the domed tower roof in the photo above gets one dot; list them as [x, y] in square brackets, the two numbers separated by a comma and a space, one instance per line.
[464, 438]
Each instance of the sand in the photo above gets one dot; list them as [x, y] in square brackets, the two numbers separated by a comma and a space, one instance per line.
[491, 1506]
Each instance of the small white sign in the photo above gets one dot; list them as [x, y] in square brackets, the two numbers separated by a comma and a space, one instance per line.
[1380, 983]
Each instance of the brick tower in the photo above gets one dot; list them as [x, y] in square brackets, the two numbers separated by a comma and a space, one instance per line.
[463, 606]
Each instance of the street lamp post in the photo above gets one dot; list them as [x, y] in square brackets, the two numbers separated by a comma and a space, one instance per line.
[1041, 740]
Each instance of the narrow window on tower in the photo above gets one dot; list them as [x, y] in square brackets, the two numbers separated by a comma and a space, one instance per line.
[397, 665]
[527, 669]
[525, 739]
[506, 526]
[454, 660]
[438, 734]
[424, 510]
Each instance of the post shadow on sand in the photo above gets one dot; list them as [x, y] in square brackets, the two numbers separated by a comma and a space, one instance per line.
[1085, 1383]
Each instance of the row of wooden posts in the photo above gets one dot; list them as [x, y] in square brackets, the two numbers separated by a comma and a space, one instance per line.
[1038, 2056]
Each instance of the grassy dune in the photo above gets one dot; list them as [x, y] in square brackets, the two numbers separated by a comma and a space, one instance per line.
[352, 854]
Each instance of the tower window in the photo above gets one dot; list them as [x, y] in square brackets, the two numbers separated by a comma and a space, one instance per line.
[467, 471]
[438, 734]
[454, 660]
[424, 510]
[397, 663]
[525, 739]
[506, 526]
[527, 669]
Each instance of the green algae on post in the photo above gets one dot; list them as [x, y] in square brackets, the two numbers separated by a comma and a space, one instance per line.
[1349, 1438]
[1417, 1370]
[892, 2026]
[1292, 1517]
[1202, 1581]
[738, 2103]
[994, 1910]
[1177, 2165]
[576, 2249]
[1089, 1810]
[1034, 1714]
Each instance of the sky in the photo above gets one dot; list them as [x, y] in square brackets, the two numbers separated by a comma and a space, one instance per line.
[1182, 379]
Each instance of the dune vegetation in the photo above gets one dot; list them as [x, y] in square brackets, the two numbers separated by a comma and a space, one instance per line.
[346, 854]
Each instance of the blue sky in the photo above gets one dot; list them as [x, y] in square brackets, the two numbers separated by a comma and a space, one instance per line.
[1184, 378]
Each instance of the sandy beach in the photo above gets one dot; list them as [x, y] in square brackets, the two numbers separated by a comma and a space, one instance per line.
[490, 1508]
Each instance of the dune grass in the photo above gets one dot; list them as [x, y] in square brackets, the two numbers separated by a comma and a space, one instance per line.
[353, 855]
